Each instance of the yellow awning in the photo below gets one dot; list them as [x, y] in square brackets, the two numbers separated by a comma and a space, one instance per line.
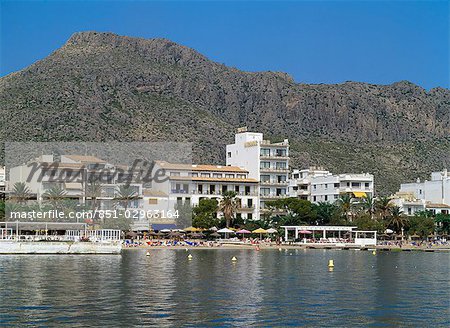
[259, 230]
[359, 194]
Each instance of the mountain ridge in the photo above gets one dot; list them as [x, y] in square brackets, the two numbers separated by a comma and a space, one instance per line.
[102, 86]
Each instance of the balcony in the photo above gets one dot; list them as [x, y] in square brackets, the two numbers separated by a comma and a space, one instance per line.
[274, 169]
[245, 208]
[219, 193]
[273, 183]
[274, 156]
[273, 196]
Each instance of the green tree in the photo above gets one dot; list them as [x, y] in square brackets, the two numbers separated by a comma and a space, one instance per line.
[364, 221]
[55, 197]
[443, 223]
[397, 220]
[205, 214]
[368, 205]
[421, 224]
[125, 194]
[383, 207]
[298, 210]
[228, 206]
[326, 212]
[20, 193]
[346, 204]
[2, 210]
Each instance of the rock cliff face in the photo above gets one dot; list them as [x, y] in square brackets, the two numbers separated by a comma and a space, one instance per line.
[103, 87]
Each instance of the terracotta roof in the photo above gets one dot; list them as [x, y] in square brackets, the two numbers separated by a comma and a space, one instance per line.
[85, 159]
[249, 180]
[201, 167]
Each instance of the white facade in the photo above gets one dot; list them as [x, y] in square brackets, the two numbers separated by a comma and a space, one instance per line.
[191, 183]
[266, 162]
[435, 191]
[318, 185]
[75, 188]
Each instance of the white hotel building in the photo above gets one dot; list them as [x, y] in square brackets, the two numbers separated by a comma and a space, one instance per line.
[318, 185]
[188, 183]
[266, 162]
[431, 194]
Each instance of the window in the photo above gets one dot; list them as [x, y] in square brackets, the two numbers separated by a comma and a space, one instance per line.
[296, 176]
[249, 216]
[281, 165]
[314, 198]
[315, 187]
[247, 190]
[336, 185]
[224, 189]
[217, 175]
[265, 152]
[281, 178]
[194, 174]
[367, 185]
[249, 202]
[265, 191]
[241, 176]
[356, 184]
[229, 154]
[326, 197]
[281, 152]
[265, 178]
[174, 174]
[236, 189]
[265, 165]
[229, 176]
[326, 186]
[205, 175]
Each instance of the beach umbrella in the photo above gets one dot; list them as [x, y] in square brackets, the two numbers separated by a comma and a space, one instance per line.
[174, 234]
[213, 229]
[260, 231]
[165, 230]
[243, 232]
[272, 230]
[191, 229]
[215, 234]
[226, 231]
[389, 231]
[415, 236]
[196, 235]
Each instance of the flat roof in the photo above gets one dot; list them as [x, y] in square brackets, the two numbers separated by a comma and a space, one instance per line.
[316, 228]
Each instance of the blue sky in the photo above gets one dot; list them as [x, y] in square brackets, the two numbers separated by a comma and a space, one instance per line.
[313, 41]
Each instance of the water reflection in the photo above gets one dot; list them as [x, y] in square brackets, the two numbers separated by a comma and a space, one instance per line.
[291, 287]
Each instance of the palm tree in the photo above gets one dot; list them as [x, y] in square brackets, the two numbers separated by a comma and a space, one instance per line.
[124, 195]
[93, 191]
[397, 219]
[368, 204]
[383, 206]
[20, 193]
[54, 196]
[228, 206]
[345, 202]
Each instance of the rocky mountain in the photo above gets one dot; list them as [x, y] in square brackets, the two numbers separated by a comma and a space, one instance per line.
[104, 87]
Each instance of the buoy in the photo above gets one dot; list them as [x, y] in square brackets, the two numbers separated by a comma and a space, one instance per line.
[374, 252]
[280, 249]
[234, 259]
[330, 263]
[147, 254]
[187, 249]
[190, 257]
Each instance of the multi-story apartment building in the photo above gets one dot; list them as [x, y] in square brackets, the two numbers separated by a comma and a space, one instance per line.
[73, 173]
[265, 162]
[191, 183]
[318, 185]
[433, 195]
[2, 182]
[436, 190]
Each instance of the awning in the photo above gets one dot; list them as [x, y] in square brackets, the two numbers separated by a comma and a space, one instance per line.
[359, 194]
[162, 226]
[73, 185]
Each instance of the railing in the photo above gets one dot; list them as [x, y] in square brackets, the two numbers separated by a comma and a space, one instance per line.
[273, 196]
[246, 208]
[217, 193]
[274, 183]
[273, 169]
[272, 156]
